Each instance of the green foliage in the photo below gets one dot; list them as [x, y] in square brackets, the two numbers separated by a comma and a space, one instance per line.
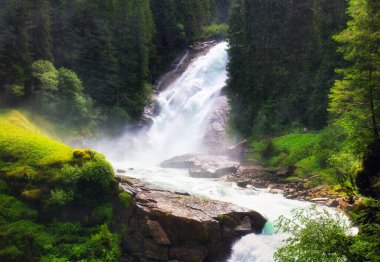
[28, 148]
[46, 74]
[327, 156]
[62, 199]
[125, 199]
[23, 240]
[103, 213]
[16, 90]
[12, 209]
[101, 246]
[116, 48]
[282, 62]
[285, 150]
[355, 98]
[316, 235]
[218, 31]
[57, 89]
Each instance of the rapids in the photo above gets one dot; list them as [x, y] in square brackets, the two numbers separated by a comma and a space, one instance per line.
[179, 129]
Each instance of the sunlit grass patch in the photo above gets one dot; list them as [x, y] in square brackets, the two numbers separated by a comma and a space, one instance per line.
[22, 143]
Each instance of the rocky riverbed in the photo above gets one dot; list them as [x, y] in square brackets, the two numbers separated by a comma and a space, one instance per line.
[276, 182]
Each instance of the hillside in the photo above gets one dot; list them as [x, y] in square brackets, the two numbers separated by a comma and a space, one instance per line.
[60, 199]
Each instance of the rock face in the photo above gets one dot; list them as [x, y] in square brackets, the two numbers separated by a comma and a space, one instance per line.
[216, 137]
[168, 226]
[236, 151]
[203, 166]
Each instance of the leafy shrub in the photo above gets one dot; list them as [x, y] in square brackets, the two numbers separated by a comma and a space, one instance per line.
[101, 246]
[315, 236]
[23, 240]
[320, 236]
[61, 197]
[12, 209]
[102, 213]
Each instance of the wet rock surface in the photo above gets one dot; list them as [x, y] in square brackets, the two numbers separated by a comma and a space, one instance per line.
[172, 226]
[203, 166]
[216, 138]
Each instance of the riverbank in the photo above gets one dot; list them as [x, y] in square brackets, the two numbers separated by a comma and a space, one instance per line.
[255, 177]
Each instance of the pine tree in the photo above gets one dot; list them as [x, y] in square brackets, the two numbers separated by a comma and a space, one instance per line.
[356, 98]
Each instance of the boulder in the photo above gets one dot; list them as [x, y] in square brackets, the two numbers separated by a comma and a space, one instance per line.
[332, 203]
[183, 161]
[203, 166]
[167, 226]
[236, 151]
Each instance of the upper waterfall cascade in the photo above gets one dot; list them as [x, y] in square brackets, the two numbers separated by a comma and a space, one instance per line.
[184, 107]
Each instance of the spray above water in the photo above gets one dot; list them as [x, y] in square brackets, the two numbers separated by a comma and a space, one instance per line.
[184, 107]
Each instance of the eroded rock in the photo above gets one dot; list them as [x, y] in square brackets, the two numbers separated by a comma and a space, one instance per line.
[165, 226]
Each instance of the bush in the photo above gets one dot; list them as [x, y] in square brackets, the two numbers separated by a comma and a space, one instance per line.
[315, 236]
[61, 197]
[103, 213]
[101, 246]
[321, 236]
[24, 240]
[12, 209]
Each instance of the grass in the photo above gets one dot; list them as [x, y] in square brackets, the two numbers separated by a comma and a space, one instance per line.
[286, 150]
[47, 186]
[24, 143]
[30, 159]
[301, 150]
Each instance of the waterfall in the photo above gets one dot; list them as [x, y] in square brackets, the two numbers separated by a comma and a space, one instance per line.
[178, 129]
[184, 107]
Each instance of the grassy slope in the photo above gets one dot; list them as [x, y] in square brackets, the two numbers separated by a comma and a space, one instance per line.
[21, 140]
[300, 150]
[58, 198]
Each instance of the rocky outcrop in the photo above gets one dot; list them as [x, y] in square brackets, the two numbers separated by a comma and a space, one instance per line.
[236, 152]
[216, 138]
[203, 166]
[200, 46]
[170, 226]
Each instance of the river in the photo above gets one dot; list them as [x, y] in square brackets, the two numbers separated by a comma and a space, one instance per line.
[178, 129]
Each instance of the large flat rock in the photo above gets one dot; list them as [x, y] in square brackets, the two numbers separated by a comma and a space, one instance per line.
[165, 225]
[203, 166]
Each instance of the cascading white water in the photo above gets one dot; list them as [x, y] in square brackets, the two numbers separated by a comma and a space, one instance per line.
[179, 129]
[184, 110]
[185, 106]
